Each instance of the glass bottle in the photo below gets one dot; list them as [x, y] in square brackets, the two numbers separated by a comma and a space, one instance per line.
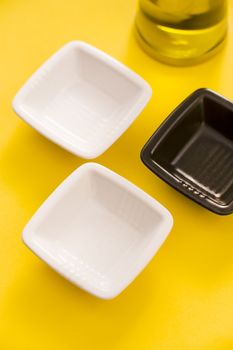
[181, 32]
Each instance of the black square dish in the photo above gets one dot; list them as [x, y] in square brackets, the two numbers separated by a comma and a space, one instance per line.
[193, 150]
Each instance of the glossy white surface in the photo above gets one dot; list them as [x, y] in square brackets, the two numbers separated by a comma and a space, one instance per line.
[82, 99]
[98, 230]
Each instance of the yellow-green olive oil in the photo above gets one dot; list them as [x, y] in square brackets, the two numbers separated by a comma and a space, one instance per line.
[181, 32]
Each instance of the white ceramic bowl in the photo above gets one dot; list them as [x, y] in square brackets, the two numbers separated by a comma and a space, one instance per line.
[98, 230]
[82, 99]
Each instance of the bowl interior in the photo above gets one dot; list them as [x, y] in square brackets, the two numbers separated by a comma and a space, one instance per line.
[82, 96]
[199, 148]
[98, 230]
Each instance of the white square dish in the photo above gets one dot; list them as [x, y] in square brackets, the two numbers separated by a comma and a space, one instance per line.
[82, 99]
[98, 230]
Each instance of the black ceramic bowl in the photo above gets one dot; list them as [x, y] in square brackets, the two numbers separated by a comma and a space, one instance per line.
[193, 150]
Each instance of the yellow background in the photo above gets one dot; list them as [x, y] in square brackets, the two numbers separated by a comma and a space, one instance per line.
[184, 298]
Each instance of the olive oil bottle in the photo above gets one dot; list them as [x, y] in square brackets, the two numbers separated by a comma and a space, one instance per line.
[181, 32]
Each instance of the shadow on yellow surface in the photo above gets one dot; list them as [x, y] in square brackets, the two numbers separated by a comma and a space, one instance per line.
[39, 289]
[32, 165]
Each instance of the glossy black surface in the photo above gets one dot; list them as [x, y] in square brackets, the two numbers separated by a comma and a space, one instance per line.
[193, 150]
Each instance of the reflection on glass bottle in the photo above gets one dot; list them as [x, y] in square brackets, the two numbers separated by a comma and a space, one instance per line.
[181, 31]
